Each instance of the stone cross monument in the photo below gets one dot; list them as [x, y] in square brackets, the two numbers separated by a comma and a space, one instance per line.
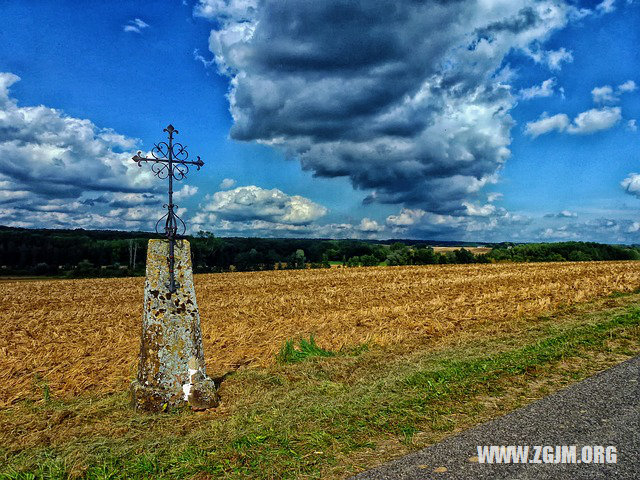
[171, 370]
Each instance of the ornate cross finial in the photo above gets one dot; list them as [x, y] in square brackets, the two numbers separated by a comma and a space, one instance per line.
[170, 160]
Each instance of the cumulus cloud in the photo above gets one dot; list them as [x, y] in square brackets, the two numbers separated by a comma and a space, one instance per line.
[545, 89]
[254, 211]
[407, 99]
[628, 86]
[603, 94]
[185, 192]
[251, 203]
[546, 124]
[227, 183]
[487, 220]
[61, 171]
[584, 123]
[479, 210]
[631, 184]
[632, 125]
[368, 225]
[135, 26]
[595, 120]
[407, 217]
[606, 93]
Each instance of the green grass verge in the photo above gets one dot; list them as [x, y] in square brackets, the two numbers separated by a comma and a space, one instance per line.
[306, 419]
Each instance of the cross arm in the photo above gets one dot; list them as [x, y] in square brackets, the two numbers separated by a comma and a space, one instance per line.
[198, 163]
[138, 159]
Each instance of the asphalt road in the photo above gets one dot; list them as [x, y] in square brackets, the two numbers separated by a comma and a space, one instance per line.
[601, 410]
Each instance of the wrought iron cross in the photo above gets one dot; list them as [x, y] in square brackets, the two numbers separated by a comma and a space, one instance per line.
[170, 160]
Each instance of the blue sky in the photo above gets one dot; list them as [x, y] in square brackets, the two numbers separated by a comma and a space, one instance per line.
[479, 121]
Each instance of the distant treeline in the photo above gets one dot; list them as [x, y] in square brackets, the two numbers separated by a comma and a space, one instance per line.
[98, 253]
[564, 251]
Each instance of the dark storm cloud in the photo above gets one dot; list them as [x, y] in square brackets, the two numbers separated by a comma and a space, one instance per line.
[386, 93]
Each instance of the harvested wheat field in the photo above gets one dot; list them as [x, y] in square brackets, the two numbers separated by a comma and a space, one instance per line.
[81, 336]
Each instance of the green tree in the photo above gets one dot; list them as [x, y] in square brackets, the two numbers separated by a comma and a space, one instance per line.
[297, 260]
[424, 256]
[397, 246]
[369, 261]
[464, 256]
[353, 262]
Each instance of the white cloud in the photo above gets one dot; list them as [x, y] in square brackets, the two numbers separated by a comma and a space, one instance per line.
[368, 225]
[51, 152]
[367, 228]
[631, 184]
[479, 210]
[551, 58]
[591, 121]
[135, 26]
[486, 220]
[270, 229]
[546, 124]
[603, 94]
[545, 89]
[406, 217]
[185, 192]
[628, 86]
[61, 171]
[555, 58]
[254, 203]
[606, 94]
[632, 125]
[558, 234]
[203, 221]
[227, 183]
[226, 10]
[595, 120]
[606, 6]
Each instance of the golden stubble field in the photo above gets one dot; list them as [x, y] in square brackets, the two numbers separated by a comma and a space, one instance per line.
[82, 336]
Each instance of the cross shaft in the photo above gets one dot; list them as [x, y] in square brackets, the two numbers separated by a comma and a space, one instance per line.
[170, 160]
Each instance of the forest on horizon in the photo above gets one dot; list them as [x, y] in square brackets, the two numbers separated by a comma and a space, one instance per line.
[107, 253]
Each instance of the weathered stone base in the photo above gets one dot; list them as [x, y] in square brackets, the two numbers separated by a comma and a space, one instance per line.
[171, 368]
[202, 395]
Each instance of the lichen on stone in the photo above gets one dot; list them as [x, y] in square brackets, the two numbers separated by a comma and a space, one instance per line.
[171, 366]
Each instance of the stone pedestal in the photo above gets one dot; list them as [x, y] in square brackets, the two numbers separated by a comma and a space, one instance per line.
[171, 371]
